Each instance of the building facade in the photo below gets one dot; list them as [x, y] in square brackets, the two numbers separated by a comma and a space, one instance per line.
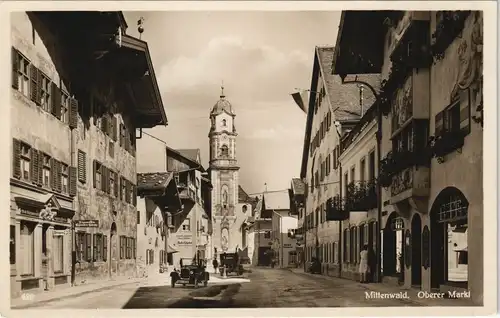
[432, 127]
[190, 235]
[66, 130]
[157, 200]
[333, 110]
[262, 232]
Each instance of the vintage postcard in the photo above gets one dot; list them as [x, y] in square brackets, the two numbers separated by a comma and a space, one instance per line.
[272, 158]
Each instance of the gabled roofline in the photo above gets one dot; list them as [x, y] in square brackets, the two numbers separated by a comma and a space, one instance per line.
[195, 164]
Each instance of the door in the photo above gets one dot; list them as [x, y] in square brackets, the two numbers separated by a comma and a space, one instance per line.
[113, 250]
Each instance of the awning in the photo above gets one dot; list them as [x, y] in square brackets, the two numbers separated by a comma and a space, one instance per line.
[170, 249]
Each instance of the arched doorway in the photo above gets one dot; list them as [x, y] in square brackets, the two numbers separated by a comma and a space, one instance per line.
[393, 247]
[113, 258]
[416, 250]
[448, 235]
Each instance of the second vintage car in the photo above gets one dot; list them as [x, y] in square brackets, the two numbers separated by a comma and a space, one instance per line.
[192, 274]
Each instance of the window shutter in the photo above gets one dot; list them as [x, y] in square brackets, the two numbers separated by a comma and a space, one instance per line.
[82, 166]
[95, 247]
[72, 181]
[34, 84]
[89, 246]
[120, 185]
[121, 135]
[465, 111]
[94, 174]
[73, 113]
[108, 181]
[40, 168]
[105, 248]
[438, 123]
[116, 184]
[115, 124]
[16, 158]
[34, 165]
[127, 191]
[59, 175]
[53, 174]
[15, 68]
[104, 179]
[56, 101]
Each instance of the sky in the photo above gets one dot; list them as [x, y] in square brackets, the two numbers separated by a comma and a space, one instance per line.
[262, 57]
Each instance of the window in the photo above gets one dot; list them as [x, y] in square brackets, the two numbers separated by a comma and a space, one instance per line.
[112, 183]
[65, 99]
[82, 166]
[224, 151]
[346, 181]
[25, 161]
[104, 248]
[371, 166]
[20, 73]
[186, 225]
[223, 123]
[88, 247]
[346, 246]
[45, 101]
[65, 178]
[27, 248]
[98, 175]
[123, 188]
[131, 192]
[58, 255]
[353, 174]
[122, 247]
[362, 168]
[98, 247]
[12, 246]
[80, 250]
[47, 175]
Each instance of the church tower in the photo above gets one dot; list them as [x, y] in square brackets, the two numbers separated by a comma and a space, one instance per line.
[223, 170]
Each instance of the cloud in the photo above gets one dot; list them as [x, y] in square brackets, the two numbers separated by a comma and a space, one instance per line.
[250, 72]
[278, 133]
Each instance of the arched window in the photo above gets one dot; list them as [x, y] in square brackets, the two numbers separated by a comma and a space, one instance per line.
[224, 151]
[224, 123]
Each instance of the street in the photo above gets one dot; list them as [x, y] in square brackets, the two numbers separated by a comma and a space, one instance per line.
[267, 288]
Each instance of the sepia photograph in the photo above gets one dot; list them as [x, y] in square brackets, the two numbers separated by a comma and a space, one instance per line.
[247, 159]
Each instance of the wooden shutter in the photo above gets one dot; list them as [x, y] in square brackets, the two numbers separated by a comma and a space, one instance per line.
[35, 84]
[115, 124]
[121, 135]
[72, 181]
[34, 165]
[53, 174]
[108, 181]
[40, 168]
[82, 166]
[438, 123]
[95, 247]
[120, 184]
[59, 175]
[127, 191]
[16, 158]
[89, 247]
[104, 179]
[116, 184]
[15, 68]
[105, 248]
[94, 170]
[465, 111]
[56, 100]
[73, 113]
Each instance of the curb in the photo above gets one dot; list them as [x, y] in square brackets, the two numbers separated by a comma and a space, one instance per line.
[42, 302]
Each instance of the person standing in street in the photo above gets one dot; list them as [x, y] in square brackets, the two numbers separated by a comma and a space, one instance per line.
[363, 264]
[215, 264]
[180, 263]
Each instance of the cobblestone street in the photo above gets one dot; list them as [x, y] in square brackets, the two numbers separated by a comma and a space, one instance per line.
[267, 288]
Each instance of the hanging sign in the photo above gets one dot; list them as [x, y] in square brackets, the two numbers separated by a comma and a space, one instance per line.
[87, 223]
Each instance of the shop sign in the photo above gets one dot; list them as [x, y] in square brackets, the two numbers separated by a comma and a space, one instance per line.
[87, 223]
[60, 232]
[184, 242]
[287, 245]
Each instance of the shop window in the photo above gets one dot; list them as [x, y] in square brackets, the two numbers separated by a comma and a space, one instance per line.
[27, 248]
[12, 246]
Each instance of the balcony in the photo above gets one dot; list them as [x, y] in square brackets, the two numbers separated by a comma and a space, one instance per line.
[449, 25]
[361, 196]
[446, 143]
[188, 194]
[335, 210]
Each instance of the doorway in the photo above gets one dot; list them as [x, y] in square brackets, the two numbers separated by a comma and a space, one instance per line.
[113, 257]
[416, 250]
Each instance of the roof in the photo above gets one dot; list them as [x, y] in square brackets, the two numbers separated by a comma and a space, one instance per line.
[279, 200]
[193, 163]
[344, 99]
[193, 154]
[153, 180]
[222, 105]
[298, 186]
[243, 197]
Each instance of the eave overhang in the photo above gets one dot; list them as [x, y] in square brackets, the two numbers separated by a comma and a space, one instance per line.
[361, 41]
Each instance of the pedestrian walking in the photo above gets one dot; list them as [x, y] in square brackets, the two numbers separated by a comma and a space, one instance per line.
[215, 264]
[372, 265]
[363, 264]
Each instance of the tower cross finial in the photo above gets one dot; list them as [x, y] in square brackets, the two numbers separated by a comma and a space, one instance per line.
[222, 90]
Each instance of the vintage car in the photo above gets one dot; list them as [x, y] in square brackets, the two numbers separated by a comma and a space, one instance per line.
[191, 274]
[231, 263]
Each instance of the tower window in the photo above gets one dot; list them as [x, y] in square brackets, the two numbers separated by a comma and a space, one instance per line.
[224, 150]
[224, 122]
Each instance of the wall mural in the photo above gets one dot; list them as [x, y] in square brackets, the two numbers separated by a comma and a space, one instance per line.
[402, 104]
[224, 235]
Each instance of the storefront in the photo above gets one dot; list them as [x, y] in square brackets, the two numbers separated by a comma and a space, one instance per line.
[40, 243]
